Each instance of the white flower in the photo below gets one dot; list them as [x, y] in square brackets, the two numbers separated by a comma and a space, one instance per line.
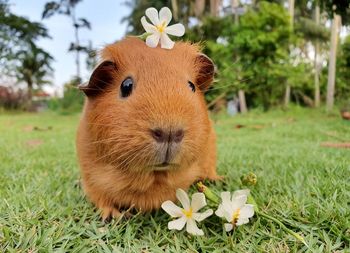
[234, 209]
[188, 214]
[160, 29]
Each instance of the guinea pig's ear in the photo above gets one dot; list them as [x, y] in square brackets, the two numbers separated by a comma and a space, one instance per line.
[101, 78]
[206, 71]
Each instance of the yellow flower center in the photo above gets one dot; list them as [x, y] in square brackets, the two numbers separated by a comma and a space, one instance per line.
[188, 213]
[235, 216]
[161, 27]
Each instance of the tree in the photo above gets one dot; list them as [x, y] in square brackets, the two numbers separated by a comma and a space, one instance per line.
[332, 61]
[291, 16]
[16, 34]
[339, 11]
[34, 68]
[317, 96]
[262, 40]
[343, 71]
[20, 57]
[310, 29]
[67, 7]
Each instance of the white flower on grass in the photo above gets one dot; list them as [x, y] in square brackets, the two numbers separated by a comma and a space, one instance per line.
[234, 209]
[159, 28]
[188, 214]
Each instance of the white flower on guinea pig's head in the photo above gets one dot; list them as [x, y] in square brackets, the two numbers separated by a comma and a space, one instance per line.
[187, 215]
[234, 209]
[159, 29]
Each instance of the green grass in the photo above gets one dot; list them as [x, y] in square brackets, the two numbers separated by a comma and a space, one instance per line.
[302, 184]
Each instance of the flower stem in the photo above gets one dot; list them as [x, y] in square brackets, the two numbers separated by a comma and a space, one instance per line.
[207, 192]
[297, 236]
[142, 36]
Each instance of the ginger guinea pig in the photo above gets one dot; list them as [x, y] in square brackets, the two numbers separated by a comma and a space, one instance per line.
[145, 130]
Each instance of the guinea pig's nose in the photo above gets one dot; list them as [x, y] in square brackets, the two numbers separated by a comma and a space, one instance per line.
[161, 135]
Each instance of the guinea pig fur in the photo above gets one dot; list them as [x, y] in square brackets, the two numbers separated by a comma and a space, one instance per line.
[145, 129]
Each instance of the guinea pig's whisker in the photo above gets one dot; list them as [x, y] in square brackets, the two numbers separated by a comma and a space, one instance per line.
[105, 140]
[96, 124]
[135, 155]
[125, 157]
[110, 139]
[106, 155]
[140, 156]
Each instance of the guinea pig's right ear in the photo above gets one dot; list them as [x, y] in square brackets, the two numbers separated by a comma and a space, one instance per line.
[206, 71]
[100, 79]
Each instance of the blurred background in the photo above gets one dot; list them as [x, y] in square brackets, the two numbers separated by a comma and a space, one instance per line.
[268, 53]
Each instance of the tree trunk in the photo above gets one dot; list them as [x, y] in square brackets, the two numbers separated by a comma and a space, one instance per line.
[291, 15]
[242, 102]
[287, 95]
[332, 62]
[316, 64]
[241, 94]
[199, 7]
[175, 9]
[28, 103]
[214, 7]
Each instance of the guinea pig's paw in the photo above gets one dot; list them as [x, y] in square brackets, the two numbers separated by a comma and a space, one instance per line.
[108, 213]
[216, 178]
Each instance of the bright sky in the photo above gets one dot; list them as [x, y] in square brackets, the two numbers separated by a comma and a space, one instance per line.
[105, 18]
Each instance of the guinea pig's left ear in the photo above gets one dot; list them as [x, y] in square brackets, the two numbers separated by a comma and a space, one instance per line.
[100, 79]
[205, 71]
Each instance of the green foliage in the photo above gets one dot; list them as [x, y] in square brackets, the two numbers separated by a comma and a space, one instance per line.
[254, 55]
[17, 34]
[311, 31]
[343, 70]
[72, 101]
[35, 67]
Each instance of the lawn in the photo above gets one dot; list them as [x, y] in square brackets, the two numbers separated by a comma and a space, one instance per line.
[302, 184]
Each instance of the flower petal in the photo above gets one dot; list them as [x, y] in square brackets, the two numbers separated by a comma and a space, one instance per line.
[152, 14]
[246, 211]
[147, 26]
[183, 198]
[220, 211]
[228, 214]
[238, 193]
[198, 201]
[239, 202]
[153, 40]
[172, 209]
[192, 228]
[242, 221]
[176, 30]
[166, 42]
[226, 202]
[177, 224]
[202, 216]
[226, 196]
[165, 15]
[228, 227]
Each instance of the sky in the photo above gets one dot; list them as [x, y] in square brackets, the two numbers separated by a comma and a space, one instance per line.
[105, 17]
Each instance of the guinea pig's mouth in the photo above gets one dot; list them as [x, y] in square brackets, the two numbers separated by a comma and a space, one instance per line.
[164, 166]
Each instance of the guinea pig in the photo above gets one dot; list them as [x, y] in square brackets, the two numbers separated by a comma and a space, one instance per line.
[145, 130]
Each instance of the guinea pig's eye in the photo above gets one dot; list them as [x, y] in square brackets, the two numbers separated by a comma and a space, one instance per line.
[126, 87]
[192, 86]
